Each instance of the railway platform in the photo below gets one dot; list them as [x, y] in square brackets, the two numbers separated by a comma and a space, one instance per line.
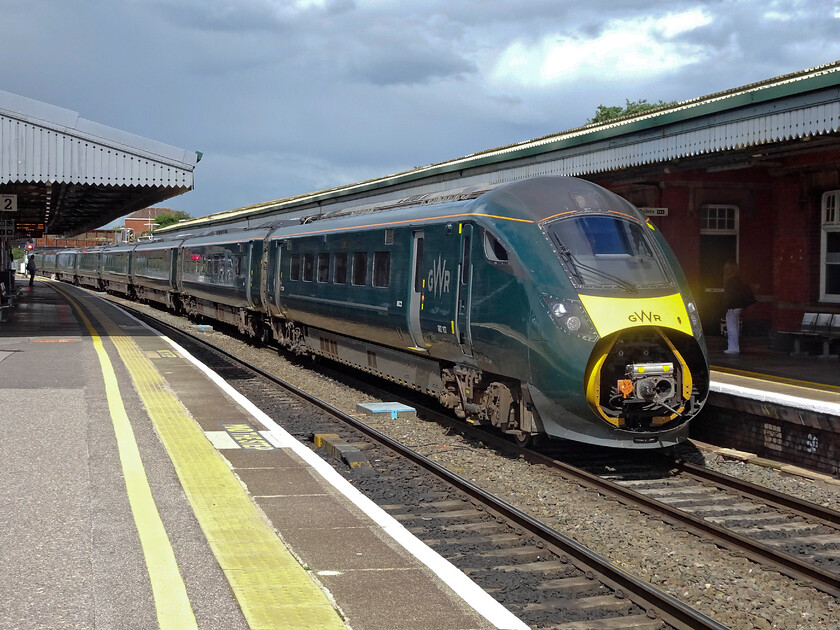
[775, 408]
[139, 492]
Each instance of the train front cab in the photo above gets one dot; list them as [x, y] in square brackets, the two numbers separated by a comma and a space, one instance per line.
[647, 373]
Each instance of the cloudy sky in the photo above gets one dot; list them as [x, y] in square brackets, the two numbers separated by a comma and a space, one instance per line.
[291, 96]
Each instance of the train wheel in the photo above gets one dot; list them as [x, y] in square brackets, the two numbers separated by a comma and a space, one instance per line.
[525, 440]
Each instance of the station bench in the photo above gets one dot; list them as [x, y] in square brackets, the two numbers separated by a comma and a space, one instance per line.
[821, 327]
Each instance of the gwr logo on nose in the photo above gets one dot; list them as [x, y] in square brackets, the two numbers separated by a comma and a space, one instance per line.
[644, 316]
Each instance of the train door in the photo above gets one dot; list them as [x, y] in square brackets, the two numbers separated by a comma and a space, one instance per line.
[464, 290]
[440, 288]
[263, 274]
[271, 277]
[415, 293]
[252, 284]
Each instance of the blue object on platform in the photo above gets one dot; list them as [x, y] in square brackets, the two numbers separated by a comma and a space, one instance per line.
[394, 409]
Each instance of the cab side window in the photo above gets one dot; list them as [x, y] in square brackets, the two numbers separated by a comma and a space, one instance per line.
[494, 250]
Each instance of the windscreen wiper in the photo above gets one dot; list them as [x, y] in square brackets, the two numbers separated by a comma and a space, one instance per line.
[577, 266]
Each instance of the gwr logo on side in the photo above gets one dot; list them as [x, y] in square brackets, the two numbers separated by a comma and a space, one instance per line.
[644, 316]
[438, 277]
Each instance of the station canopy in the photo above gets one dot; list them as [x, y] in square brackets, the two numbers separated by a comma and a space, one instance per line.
[64, 175]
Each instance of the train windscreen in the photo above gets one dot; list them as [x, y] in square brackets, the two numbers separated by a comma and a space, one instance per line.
[607, 251]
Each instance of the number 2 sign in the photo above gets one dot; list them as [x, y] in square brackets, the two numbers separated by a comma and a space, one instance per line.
[8, 203]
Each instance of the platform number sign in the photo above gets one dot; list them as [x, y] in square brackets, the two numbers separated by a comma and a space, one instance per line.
[8, 203]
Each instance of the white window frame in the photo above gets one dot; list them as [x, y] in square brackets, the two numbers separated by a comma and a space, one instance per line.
[736, 215]
[830, 216]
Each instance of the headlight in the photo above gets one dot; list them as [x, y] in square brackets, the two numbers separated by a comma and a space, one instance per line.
[571, 317]
[694, 319]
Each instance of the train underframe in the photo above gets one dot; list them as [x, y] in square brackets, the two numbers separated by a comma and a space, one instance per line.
[474, 396]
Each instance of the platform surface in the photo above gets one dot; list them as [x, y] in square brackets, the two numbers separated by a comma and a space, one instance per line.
[770, 372]
[85, 545]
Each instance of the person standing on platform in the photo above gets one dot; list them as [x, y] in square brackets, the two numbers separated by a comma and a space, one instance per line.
[30, 269]
[737, 296]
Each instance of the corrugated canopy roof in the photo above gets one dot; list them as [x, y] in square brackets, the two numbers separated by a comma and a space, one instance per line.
[71, 174]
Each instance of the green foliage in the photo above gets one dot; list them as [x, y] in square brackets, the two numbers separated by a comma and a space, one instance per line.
[165, 219]
[17, 253]
[604, 112]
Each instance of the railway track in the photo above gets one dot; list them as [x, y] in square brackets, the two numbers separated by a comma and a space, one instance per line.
[794, 537]
[547, 579]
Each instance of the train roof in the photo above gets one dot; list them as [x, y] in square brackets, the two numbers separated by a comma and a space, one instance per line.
[175, 241]
[525, 201]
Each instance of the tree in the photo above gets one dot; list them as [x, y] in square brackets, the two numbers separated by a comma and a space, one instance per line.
[165, 219]
[604, 112]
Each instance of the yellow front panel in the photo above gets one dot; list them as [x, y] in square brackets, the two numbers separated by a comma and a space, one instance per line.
[610, 314]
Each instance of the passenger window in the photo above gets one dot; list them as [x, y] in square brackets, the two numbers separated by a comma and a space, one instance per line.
[359, 269]
[294, 272]
[493, 249]
[381, 269]
[340, 271]
[308, 267]
[323, 267]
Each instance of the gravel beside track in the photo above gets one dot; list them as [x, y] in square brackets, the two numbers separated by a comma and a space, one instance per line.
[730, 589]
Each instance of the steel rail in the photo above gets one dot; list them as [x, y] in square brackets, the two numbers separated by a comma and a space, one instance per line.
[784, 501]
[658, 604]
[786, 564]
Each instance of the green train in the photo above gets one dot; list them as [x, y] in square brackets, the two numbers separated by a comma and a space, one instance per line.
[546, 306]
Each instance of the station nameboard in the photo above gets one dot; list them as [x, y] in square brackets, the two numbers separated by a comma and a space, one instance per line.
[654, 212]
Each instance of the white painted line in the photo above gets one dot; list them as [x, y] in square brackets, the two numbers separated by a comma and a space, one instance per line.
[272, 439]
[221, 440]
[797, 402]
[459, 582]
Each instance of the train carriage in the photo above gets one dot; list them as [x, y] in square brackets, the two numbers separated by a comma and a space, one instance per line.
[531, 308]
[45, 262]
[116, 269]
[89, 268]
[220, 278]
[153, 272]
[66, 265]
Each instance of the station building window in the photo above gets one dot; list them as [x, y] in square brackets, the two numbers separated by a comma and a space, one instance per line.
[830, 248]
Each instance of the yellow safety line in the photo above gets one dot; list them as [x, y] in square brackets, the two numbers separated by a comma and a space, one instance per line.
[271, 586]
[171, 601]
